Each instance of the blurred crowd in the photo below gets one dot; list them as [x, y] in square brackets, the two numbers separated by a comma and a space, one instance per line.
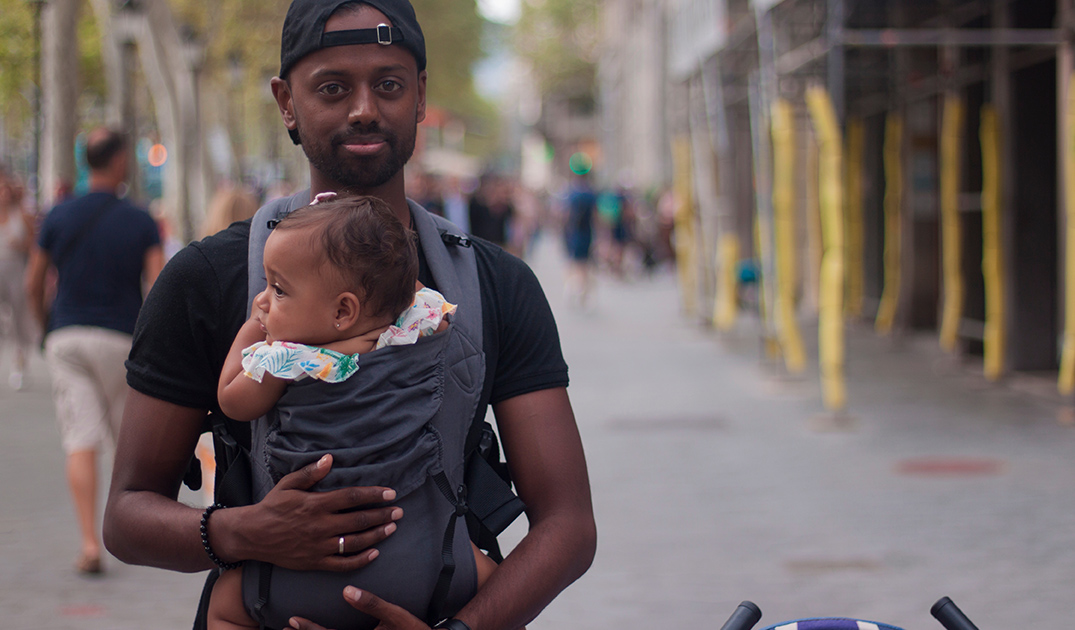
[615, 229]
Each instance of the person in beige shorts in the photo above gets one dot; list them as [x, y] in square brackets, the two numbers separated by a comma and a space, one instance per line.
[104, 250]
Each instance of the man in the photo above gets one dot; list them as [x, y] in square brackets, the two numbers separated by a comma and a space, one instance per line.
[354, 107]
[104, 249]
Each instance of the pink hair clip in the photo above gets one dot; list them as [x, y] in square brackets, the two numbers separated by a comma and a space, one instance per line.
[325, 196]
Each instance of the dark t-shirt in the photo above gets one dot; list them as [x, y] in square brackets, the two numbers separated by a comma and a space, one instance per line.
[100, 270]
[198, 304]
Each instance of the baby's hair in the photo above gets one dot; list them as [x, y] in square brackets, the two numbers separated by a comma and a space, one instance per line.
[362, 238]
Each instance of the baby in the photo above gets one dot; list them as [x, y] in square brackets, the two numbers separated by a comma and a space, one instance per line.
[339, 273]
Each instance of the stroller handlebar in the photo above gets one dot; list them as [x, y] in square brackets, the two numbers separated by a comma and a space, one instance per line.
[744, 618]
[950, 616]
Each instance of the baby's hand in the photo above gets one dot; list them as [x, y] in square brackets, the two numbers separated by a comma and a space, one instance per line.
[253, 331]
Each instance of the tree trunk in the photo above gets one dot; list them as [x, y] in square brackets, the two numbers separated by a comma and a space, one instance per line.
[60, 89]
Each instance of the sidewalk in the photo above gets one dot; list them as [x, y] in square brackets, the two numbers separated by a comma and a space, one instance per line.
[714, 481]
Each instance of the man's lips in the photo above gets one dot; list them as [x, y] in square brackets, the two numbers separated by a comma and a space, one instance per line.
[363, 145]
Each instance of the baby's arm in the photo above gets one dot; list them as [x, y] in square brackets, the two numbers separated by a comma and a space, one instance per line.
[242, 398]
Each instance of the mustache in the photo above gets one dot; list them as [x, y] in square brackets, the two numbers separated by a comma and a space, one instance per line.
[359, 133]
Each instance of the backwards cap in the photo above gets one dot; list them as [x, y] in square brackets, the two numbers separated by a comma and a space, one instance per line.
[304, 30]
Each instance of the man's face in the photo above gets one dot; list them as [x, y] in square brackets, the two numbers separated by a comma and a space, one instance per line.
[355, 108]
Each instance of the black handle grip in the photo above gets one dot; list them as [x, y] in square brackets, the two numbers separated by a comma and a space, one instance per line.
[744, 617]
[950, 616]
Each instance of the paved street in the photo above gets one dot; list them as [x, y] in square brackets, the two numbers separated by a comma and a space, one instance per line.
[715, 479]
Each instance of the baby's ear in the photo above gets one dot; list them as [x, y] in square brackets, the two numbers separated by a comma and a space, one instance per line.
[348, 310]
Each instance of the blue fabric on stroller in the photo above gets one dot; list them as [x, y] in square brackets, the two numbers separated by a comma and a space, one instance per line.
[831, 623]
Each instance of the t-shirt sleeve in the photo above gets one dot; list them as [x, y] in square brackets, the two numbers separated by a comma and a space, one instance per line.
[529, 358]
[176, 351]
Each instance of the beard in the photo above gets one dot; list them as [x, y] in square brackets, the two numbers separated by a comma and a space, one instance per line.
[358, 173]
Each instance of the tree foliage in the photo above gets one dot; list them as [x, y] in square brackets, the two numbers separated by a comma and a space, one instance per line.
[242, 51]
[18, 47]
[245, 34]
[559, 40]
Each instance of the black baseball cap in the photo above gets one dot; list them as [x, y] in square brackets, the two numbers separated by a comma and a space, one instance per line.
[304, 30]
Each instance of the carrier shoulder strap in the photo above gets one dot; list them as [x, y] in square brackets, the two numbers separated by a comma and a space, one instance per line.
[451, 261]
[259, 233]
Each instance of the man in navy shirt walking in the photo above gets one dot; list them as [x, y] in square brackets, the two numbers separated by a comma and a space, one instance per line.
[105, 250]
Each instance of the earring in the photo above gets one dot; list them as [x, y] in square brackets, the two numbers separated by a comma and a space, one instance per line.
[337, 324]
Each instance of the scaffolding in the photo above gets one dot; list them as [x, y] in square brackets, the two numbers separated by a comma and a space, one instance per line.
[954, 123]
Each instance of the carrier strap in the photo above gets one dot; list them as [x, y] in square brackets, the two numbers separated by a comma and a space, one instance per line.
[444, 580]
[264, 582]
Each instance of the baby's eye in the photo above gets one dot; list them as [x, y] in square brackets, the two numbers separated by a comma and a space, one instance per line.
[278, 291]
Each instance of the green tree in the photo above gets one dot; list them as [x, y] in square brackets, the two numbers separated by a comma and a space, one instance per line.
[559, 40]
[17, 71]
[16, 62]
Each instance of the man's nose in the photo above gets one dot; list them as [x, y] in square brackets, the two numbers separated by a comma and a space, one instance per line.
[363, 107]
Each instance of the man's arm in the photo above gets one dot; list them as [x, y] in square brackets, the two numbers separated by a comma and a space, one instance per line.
[36, 271]
[544, 452]
[152, 263]
[291, 527]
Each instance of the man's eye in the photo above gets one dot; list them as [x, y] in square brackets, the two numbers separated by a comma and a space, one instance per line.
[332, 89]
[390, 86]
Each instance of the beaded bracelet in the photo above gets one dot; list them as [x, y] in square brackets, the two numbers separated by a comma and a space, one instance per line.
[227, 566]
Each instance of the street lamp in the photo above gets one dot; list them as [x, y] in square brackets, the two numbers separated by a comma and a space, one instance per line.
[37, 6]
[194, 53]
[127, 22]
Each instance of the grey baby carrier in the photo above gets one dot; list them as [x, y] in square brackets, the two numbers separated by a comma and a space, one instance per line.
[405, 420]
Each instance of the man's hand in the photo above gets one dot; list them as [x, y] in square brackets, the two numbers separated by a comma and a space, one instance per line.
[391, 617]
[298, 529]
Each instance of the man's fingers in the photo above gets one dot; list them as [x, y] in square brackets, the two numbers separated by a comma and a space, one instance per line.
[390, 615]
[365, 521]
[354, 543]
[356, 497]
[303, 624]
[307, 476]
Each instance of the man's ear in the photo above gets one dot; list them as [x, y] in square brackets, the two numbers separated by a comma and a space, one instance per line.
[421, 111]
[281, 91]
[348, 310]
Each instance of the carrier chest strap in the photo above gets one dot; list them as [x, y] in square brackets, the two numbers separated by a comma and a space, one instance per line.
[444, 580]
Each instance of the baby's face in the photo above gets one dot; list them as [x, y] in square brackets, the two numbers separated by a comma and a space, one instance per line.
[298, 303]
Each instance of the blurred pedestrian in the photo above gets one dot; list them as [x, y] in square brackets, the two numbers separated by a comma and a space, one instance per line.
[103, 249]
[456, 206]
[16, 237]
[229, 204]
[424, 189]
[578, 236]
[615, 211]
[491, 210]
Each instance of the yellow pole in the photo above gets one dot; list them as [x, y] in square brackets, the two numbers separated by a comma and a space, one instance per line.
[727, 304]
[992, 255]
[830, 310]
[783, 121]
[1066, 382]
[684, 224]
[814, 249]
[854, 238]
[951, 136]
[890, 297]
